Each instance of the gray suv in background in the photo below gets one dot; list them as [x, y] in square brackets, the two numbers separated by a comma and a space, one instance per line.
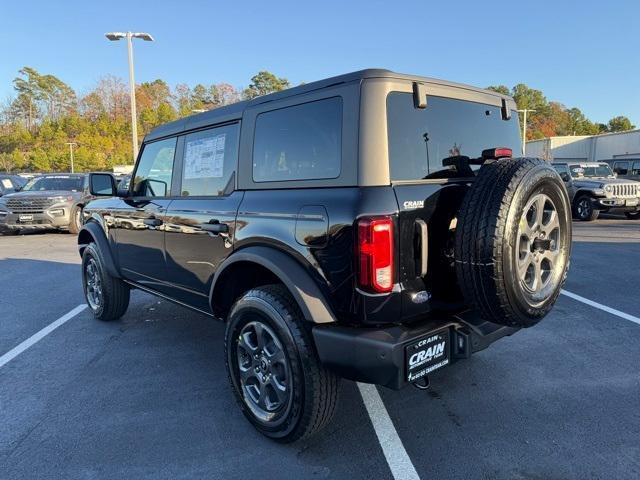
[52, 201]
[594, 188]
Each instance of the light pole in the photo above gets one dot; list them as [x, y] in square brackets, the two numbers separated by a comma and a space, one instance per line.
[71, 145]
[114, 36]
[524, 129]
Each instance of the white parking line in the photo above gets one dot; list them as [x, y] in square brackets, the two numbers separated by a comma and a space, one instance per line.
[32, 340]
[392, 447]
[599, 306]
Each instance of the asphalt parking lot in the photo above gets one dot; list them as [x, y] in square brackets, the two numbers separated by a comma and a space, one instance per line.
[147, 397]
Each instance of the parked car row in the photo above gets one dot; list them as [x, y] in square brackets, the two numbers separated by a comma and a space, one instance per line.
[50, 201]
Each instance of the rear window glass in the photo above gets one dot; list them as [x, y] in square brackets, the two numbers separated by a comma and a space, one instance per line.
[419, 139]
[302, 142]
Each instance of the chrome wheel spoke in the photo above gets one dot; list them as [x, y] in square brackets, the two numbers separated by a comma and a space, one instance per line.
[552, 224]
[523, 266]
[539, 207]
[537, 276]
[279, 388]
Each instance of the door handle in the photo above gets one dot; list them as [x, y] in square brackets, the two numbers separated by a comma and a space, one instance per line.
[214, 226]
[152, 222]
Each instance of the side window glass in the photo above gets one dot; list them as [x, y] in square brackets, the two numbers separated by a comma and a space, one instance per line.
[621, 168]
[210, 159]
[636, 168]
[302, 142]
[155, 169]
[563, 171]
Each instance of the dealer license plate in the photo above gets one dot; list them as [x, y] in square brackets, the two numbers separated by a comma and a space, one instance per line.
[632, 202]
[427, 354]
[25, 218]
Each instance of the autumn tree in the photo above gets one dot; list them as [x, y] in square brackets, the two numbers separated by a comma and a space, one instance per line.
[263, 83]
[619, 124]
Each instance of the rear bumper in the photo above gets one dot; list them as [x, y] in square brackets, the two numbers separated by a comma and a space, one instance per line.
[377, 355]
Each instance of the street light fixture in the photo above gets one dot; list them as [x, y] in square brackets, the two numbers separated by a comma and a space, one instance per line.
[115, 36]
[71, 145]
[524, 129]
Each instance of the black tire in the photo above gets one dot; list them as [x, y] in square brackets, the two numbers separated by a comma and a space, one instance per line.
[632, 215]
[75, 223]
[500, 261]
[114, 293]
[583, 209]
[311, 391]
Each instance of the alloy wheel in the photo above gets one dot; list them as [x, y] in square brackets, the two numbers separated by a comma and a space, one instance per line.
[93, 284]
[538, 252]
[584, 208]
[264, 371]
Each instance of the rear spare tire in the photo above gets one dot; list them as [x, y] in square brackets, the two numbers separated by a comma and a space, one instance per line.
[513, 241]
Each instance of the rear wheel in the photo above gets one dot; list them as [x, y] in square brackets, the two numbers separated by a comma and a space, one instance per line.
[273, 369]
[107, 296]
[632, 215]
[513, 241]
[583, 209]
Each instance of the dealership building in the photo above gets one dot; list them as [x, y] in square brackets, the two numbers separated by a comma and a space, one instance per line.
[587, 148]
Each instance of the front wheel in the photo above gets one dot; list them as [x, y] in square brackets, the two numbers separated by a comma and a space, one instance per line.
[583, 209]
[273, 369]
[75, 223]
[107, 296]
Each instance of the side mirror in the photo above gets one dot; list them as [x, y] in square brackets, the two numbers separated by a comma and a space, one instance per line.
[565, 176]
[102, 185]
[156, 188]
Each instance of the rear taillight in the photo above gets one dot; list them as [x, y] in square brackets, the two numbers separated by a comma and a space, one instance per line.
[375, 254]
[497, 153]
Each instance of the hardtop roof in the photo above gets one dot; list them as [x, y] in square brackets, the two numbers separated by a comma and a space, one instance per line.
[235, 110]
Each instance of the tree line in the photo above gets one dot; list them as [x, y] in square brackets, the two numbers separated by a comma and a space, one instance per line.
[45, 114]
[550, 119]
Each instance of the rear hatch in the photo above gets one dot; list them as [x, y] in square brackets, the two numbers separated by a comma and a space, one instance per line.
[429, 194]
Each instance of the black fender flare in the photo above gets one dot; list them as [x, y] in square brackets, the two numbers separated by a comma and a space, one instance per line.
[98, 236]
[303, 288]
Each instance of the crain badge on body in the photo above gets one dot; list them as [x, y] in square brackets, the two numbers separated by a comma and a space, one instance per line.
[413, 204]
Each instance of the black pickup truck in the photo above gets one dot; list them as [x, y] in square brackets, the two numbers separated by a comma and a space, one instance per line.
[372, 226]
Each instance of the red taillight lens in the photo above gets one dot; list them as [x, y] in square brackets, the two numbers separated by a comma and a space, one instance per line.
[503, 153]
[375, 254]
[496, 153]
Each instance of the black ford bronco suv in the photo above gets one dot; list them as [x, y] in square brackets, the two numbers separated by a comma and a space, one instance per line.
[372, 226]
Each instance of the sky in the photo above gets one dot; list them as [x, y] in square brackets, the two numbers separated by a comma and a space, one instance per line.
[582, 54]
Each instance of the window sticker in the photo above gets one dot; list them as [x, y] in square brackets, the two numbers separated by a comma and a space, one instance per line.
[6, 183]
[204, 158]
